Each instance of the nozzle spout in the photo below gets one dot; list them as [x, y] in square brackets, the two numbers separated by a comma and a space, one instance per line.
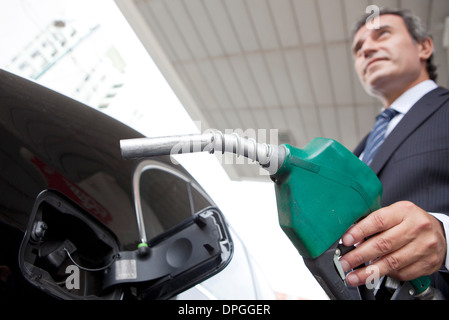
[268, 156]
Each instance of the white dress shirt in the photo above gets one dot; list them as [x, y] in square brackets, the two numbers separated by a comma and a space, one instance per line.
[406, 101]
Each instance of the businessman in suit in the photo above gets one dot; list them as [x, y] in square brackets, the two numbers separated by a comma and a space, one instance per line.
[407, 237]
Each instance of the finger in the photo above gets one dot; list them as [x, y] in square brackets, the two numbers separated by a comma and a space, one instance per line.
[376, 246]
[410, 272]
[396, 264]
[376, 222]
[371, 250]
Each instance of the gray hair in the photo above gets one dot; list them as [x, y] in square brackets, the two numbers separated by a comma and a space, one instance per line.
[415, 27]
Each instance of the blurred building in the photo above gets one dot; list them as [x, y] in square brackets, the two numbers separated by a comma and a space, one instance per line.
[94, 65]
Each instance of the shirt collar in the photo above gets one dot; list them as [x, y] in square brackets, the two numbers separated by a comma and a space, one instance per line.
[406, 101]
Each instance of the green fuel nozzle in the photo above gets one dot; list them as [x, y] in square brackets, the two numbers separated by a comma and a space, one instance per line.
[321, 190]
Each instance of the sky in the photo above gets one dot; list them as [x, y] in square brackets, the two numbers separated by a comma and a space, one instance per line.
[250, 207]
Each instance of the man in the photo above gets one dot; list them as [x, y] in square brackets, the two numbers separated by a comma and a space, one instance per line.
[407, 238]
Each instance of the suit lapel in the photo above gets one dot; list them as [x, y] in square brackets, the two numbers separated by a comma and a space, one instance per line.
[422, 110]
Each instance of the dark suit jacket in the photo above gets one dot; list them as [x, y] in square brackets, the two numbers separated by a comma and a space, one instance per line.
[413, 161]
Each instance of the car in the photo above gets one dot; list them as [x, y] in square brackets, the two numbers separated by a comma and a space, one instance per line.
[79, 222]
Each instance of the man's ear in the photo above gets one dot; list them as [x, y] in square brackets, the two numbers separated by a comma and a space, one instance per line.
[425, 49]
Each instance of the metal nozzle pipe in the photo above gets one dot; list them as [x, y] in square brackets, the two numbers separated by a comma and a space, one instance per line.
[269, 156]
[150, 147]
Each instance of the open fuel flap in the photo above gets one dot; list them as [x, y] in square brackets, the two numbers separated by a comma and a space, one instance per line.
[69, 255]
[174, 261]
[65, 251]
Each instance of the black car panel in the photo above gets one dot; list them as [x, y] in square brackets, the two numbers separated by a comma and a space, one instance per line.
[53, 147]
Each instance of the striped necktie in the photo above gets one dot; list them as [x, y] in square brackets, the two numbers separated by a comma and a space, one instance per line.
[377, 135]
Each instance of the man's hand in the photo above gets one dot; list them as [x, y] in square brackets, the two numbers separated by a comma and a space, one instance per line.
[405, 242]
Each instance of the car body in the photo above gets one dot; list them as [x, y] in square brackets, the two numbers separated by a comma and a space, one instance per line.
[79, 222]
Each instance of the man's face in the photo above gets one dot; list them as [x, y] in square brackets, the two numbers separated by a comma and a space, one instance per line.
[387, 59]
